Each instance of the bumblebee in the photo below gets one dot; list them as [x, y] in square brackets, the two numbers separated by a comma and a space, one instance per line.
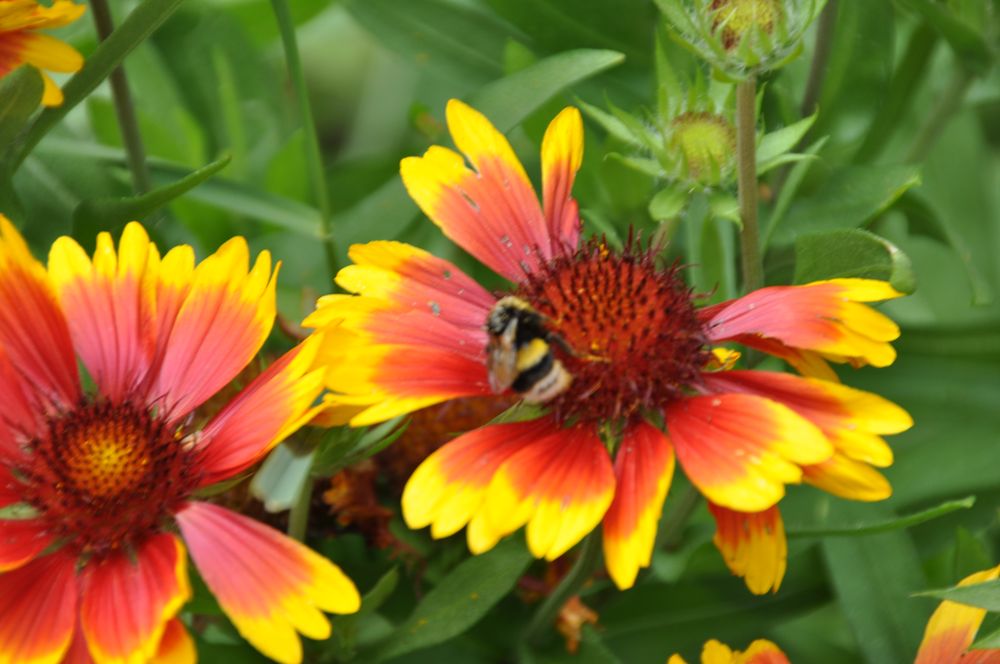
[519, 353]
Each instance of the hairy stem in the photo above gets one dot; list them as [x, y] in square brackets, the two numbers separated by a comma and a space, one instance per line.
[746, 154]
[135, 151]
[314, 159]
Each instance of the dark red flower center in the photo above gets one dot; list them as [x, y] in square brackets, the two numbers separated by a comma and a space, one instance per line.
[632, 339]
[106, 475]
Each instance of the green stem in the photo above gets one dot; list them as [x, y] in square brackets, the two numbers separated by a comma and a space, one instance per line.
[298, 517]
[684, 505]
[314, 159]
[940, 115]
[135, 151]
[821, 53]
[746, 154]
[569, 586]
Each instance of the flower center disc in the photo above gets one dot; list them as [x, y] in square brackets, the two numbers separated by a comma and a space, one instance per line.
[634, 341]
[106, 475]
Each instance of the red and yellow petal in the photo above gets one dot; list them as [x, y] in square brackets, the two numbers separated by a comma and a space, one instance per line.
[847, 478]
[741, 450]
[828, 317]
[853, 420]
[176, 646]
[952, 628]
[753, 546]
[33, 330]
[110, 306]
[21, 541]
[448, 489]
[560, 486]
[760, 651]
[38, 610]
[267, 411]
[644, 468]
[22, 417]
[224, 320]
[562, 154]
[414, 280]
[126, 603]
[269, 585]
[491, 212]
[30, 15]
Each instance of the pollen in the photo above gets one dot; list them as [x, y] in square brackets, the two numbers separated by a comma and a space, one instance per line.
[626, 330]
[105, 476]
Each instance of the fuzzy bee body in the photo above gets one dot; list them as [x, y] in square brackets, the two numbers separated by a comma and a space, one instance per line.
[519, 353]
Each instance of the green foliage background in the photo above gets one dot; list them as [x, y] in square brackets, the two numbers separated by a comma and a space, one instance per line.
[906, 147]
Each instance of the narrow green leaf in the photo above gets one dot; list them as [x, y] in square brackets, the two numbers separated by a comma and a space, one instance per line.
[777, 143]
[873, 578]
[512, 98]
[611, 124]
[968, 43]
[790, 191]
[848, 198]
[20, 96]
[984, 595]
[883, 525]
[345, 628]
[144, 19]
[851, 253]
[989, 641]
[113, 212]
[974, 341]
[460, 600]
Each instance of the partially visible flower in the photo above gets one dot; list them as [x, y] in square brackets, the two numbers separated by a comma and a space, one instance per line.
[101, 480]
[760, 651]
[952, 629]
[741, 37]
[21, 44]
[645, 392]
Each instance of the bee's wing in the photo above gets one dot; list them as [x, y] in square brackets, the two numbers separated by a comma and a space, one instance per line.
[501, 358]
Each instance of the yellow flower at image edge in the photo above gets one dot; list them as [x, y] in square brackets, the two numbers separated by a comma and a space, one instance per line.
[760, 651]
[102, 480]
[21, 44]
[605, 340]
[952, 629]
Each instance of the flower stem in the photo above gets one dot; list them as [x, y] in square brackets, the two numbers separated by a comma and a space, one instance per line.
[135, 151]
[821, 54]
[314, 159]
[568, 586]
[298, 516]
[746, 148]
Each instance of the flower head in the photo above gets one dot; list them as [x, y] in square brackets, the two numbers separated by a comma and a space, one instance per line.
[21, 44]
[96, 483]
[760, 651]
[952, 629]
[648, 382]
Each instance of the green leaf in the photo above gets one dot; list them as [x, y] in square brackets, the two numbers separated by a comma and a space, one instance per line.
[144, 19]
[851, 253]
[991, 640]
[20, 96]
[976, 341]
[511, 99]
[924, 220]
[848, 198]
[775, 144]
[667, 203]
[345, 628]
[967, 42]
[883, 525]
[280, 479]
[873, 578]
[611, 123]
[984, 595]
[460, 600]
[114, 212]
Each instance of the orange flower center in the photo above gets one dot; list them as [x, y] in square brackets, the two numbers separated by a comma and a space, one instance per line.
[632, 339]
[106, 475]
